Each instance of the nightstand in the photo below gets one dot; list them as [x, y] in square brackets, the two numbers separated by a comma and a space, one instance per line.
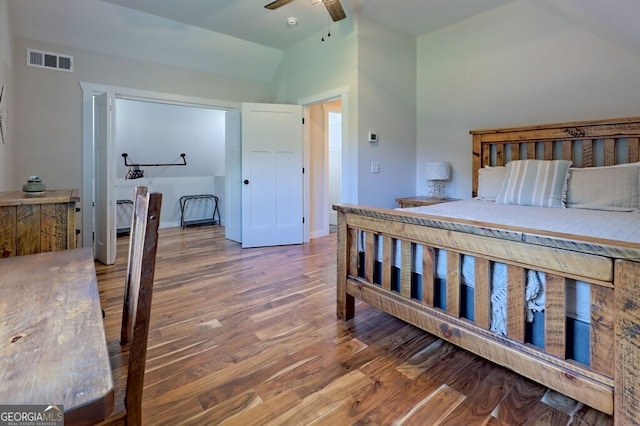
[421, 200]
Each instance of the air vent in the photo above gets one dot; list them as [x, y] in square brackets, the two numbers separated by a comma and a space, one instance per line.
[36, 58]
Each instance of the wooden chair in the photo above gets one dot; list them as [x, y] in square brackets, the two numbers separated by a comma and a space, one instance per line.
[143, 242]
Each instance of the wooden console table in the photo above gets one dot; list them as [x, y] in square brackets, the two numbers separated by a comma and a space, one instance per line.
[34, 223]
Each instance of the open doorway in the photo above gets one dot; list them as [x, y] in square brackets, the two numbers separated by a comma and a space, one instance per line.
[91, 203]
[325, 165]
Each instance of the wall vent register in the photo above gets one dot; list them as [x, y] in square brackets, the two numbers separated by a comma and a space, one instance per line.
[55, 61]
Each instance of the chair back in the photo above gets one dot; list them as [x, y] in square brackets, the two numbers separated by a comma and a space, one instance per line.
[143, 243]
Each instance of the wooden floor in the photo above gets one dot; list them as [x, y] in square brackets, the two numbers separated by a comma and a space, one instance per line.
[250, 337]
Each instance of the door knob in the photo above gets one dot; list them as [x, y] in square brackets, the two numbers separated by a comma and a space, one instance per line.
[246, 181]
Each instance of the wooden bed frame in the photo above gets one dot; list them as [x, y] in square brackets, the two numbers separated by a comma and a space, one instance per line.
[611, 383]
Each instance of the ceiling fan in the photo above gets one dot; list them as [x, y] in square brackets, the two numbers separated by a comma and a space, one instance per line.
[333, 6]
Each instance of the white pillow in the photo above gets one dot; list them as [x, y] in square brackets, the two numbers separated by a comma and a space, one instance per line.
[612, 188]
[490, 181]
[539, 183]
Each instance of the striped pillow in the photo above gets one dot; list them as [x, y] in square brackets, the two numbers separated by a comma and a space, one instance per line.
[541, 183]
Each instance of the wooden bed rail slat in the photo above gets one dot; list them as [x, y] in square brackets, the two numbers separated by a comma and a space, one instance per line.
[453, 283]
[555, 320]
[369, 256]
[609, 152]
[516, 308]
[354, 259]
[634, 152]
[482, 293]
[566, 150]
[515, 151]
[405, 271]
[627, 342]
[548, 150]
[500, 155]
[602, 318]
[587, 153]
[531, 150]
[428, 275]
[477, 160]
[387, 253]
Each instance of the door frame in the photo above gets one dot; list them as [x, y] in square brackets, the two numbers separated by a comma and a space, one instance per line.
[341, 93]
[115, 92]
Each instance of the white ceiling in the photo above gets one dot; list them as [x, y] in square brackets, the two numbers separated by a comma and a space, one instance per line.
[249, 20]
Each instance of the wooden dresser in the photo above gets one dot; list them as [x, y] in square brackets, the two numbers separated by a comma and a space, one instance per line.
[34, 223]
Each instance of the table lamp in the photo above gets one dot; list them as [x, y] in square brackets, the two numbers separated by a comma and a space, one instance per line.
[437, 175]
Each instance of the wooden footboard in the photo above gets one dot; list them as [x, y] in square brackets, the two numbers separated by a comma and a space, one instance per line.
[367, 270]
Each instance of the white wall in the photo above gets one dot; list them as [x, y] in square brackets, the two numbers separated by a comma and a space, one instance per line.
[6, 108]
[156, 133]
[375, 66]
[517, 65]
[386, 106]
[48, 112]
[314, 71]
[101, 26]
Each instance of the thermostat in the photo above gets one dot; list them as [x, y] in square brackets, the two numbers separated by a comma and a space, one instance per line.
[373, 137]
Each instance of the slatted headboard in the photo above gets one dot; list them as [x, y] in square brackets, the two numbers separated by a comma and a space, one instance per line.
[586, 143]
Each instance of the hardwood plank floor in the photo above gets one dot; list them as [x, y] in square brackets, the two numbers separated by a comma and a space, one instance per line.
[251, 337]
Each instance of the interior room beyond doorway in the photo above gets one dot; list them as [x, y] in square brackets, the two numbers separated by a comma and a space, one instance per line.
[325, 165]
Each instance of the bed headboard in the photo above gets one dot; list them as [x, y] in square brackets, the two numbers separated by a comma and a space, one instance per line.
[586, 143]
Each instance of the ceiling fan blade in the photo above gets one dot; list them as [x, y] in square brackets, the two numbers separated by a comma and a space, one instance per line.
[335, 10]
[276, 4]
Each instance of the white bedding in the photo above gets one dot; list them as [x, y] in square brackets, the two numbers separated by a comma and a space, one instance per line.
[619, 226]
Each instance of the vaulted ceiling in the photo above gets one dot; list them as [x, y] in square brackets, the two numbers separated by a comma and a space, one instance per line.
[241, 38]
[249, 20]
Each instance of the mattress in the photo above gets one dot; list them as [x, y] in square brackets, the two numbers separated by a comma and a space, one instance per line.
[615, 226]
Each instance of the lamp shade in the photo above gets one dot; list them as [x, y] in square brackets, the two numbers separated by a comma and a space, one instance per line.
[437, 170]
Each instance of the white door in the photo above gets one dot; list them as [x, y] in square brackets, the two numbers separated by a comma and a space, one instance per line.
[104, 209]
[272, 187]
[233, 179]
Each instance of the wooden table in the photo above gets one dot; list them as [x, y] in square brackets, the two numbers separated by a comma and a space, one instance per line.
[53, 348]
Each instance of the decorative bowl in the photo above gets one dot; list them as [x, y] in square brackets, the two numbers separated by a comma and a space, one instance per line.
[34, 185]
